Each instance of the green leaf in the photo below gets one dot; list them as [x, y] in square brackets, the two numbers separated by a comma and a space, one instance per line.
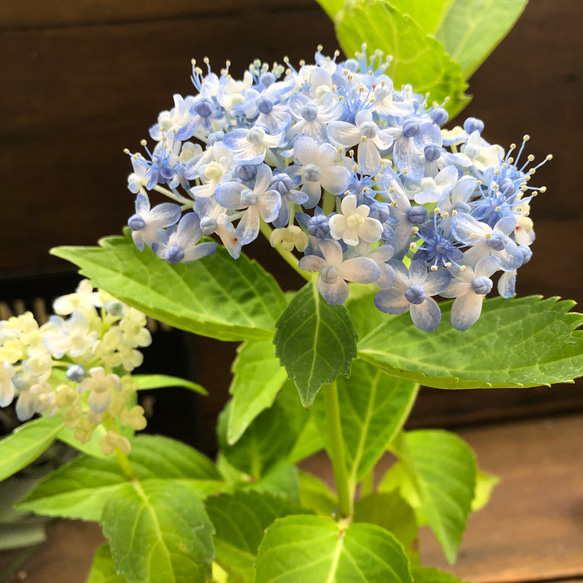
[92, 447]
[159, 532]
[332, 7]
[159, 381]
[26, 443]
[103, 568]
[270, 437]
[317, 549]
[316, 496]
[280, 480]
[391, 512]
[473, 28]
[315, 342]
[418, 58]
[428, 14]
[444, 471]
[81, 488]
[216, 296]
[485, 484]
[308, 443]
[522, 342]
[258, 378]
[240, 521]
[430, 575]
[373, 409]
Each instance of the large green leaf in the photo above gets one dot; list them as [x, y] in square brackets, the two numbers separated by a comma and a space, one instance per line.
[159, 532]
[418, 58]
[315, 342]
[443, 468]
[26, 443]
[103, 568]
[240, 521]
[315, 549]
[390, 511]
[428, 14]
[430, 575]
[373, 408]
[159, 381]
[258, 378]
[308, 442]
[332, 7]
[281, 480]
[216, 296]
[81, 488]
[316, 496]
[472, 29]
[523, 342]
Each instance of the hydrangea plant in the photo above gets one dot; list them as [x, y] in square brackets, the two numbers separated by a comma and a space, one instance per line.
[360, 189]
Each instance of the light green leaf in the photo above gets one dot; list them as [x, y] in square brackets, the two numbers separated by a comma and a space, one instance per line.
[240, 521]
[258, 378]
[523, 342]
[430, 575]
[473, 28]
[159, 381]
[281, 479]
[485, 484]
[428, 14]
[216, 296]
[92, 447]
[103, 568]
[389, 511]
[332, 7]
[26, 443]
[81, 488]
[444, 471]
[308, 443]
[316, 496]
[373, 409]
[315, 342]
[418, 58]
[270, 437]
[159, 532]
[314, 549]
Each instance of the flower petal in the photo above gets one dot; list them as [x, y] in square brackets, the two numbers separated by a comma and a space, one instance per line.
[335, 294]
[391, 301]
[360, 270]
[466, 310]
[427, 315]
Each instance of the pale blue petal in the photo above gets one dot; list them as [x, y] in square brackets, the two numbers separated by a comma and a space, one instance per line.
[466, 310]
[418, 271]
[426, 316]
[391, 301]
[228, 195]
[436, 281]
[507, 284]
[360, 270]
[248, 227]
[335, 294]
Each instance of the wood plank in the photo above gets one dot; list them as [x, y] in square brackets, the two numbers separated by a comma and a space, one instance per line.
[35, 14]
[532, 530]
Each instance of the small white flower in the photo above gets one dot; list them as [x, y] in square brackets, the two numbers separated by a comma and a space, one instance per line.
[354, 223]
[291, 237]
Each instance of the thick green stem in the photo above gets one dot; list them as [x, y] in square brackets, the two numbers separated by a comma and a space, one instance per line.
[336, 452]
[125, 465]
[290, 258]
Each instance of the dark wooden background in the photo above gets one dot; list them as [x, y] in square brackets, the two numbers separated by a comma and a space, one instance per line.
[83, 79]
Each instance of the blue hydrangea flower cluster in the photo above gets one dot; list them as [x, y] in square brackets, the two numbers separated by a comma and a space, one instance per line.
[350, 171]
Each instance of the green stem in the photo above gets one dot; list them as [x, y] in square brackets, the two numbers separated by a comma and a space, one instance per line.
[289, 258]
[329, 203]
[125, 465]
[336, 452]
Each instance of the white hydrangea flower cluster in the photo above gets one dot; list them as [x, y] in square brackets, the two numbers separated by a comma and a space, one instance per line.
[77, 365]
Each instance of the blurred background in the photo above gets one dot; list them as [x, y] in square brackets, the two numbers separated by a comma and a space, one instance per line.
[83, 79]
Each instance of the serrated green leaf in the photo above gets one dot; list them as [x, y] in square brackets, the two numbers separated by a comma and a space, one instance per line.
[258, 377]
[373, 409]
[430, 575]
[216, 296]
[159, 381]
[103, 568]
[444, 470]
[315, 342]
[428, 14]
[240, 521]
[316, 496]
[419, 59]
[308, 442]
[485, 484]
[313, 549]
[473, 28]
[159, 532]
[81, 488]
[26, 443]
[390, 511]
[523, 342]
[281, 479]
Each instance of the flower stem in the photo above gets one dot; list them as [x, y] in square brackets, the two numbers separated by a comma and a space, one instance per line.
[289, 258]
[125, 465]
[336, 452]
